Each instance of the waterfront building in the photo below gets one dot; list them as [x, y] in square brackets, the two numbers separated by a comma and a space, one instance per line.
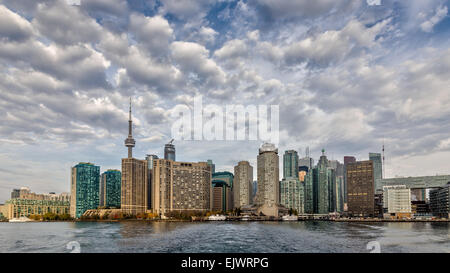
[418, 194]
[292, 194]
[360, 187]
[397, 201]
[420, 209]
[181, 186]
[3, 212]
[268, 175]
[308, 193]
[418, 182]
[254, 190]
[26, 193]
[169, 151]
[243, 184]
[268, 194]
[134, 188]
[150, 159]
[85, 187]
[347, 160]
[378, 205]
[110, 189]
[226, 177]
[222, 199]
[440, 201]
[336, 186]
[291, 189]
[17, 207]
[332, 190]
[290, 164]
[321, 186]
[377, 168]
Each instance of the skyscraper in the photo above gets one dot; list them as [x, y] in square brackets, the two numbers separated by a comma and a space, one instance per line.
[290, 164]
[150, 159]
[243, 188]
[360, 186]
[213, 166]
[291, 189]
[377, 169]
[226, 177]
[308, 193]
[181, 186]
[169, 151]
[221, 196]
[85, 185]
[337, 181]
[268, 194]
[347, 160]
[111, 182]
[129, 141]
[134, 187]
[292, 194]
[321, 187]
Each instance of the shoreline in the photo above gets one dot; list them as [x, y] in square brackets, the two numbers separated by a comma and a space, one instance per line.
[251, 220]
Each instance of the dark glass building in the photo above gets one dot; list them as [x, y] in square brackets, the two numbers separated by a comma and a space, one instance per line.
[110, 189]
[85, 187]
[361, 189]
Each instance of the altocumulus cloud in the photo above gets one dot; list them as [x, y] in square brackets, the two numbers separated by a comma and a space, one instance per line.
[346, 75]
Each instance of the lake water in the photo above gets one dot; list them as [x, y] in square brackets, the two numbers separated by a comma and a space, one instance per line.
[224, 237]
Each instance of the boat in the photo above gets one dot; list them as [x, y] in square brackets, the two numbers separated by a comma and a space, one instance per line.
[245, 218]
[289, 218]
[22, 219]
[217, 217]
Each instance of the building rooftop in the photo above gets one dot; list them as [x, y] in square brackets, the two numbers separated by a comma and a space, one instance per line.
[268, 147]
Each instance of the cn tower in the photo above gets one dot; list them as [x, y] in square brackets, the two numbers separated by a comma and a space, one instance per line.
[129, 141]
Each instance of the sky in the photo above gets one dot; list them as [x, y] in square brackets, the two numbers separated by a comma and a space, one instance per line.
[347, 76]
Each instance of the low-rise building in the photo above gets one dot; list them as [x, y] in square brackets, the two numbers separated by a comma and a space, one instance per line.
[440, 201]
[16, 208]
[397, 201]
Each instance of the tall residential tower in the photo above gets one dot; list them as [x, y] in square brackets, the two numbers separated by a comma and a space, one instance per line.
[134, 190]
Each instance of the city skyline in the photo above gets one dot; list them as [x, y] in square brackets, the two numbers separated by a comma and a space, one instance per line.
[64, 93]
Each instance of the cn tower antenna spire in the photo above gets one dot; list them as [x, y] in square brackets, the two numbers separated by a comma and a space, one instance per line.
[130, 142]
[130, 111]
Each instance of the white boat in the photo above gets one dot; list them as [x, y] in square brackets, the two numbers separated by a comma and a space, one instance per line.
[245, 218]
[22, 219]
[217, 217]
[289, 218]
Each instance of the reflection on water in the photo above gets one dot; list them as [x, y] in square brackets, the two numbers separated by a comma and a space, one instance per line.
[167, 237]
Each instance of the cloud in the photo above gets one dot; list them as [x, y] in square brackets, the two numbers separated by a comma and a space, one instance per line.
[276, 9]
[194, 58]
[65, 24]
[115, 7]
[441, 13]
[13, 27]
[345, 75]
[153, 32]
[333, 46]
[185, 9]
